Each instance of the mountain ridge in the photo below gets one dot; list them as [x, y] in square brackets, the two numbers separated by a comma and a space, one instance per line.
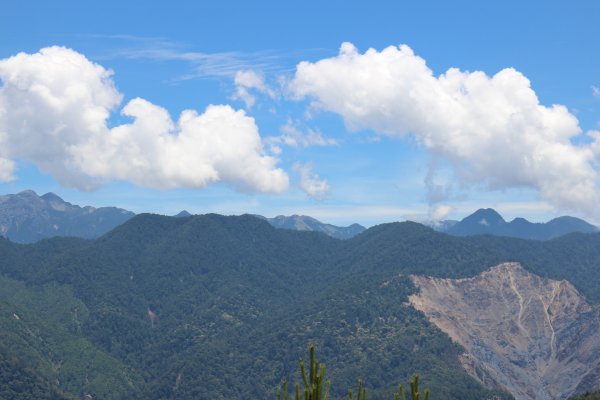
[489, 222]
[306, 223]
[26, 217]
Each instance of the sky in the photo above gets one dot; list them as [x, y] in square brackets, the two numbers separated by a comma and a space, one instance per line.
[346, 111]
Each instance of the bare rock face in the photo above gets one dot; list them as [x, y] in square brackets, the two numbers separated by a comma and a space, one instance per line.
[533, 337]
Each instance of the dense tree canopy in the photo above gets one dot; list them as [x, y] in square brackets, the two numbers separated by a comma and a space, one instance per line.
[222, 307]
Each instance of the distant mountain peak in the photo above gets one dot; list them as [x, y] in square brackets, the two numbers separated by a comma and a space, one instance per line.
[487, 217]
[56, 202]
[26, 217]
[183, 214]
[489, 221]
[306, 223]
[52, 197]
[27, 192]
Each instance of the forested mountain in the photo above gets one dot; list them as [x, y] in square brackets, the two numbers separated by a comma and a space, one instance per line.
[489, 222]
[26, 217]
[221, 307]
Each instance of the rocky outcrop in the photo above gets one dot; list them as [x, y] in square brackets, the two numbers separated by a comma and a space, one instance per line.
[533, 337]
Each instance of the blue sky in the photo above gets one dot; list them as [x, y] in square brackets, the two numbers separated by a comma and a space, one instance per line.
[344, 138]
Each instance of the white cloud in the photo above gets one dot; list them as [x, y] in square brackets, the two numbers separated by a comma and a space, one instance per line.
[6, 170]
[248, 81]
[441, 212]
[59, 104]
[292, 136]
[493, 130]
[596, 91]
[311, 183]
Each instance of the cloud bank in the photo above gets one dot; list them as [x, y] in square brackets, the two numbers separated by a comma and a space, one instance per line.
[54, 108]
[492, 129]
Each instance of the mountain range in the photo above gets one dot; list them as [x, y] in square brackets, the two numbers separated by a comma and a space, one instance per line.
[219, 307]
[489, 222]
[26, 217]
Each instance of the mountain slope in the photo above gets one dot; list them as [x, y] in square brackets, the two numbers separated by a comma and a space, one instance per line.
[19, 382]
[531, 336]
[26, 217]
[489, 222]
[221, 307]
[40, 332]
[186, 301]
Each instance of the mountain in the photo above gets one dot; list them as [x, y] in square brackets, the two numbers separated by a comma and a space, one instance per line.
[531, 336]
[217, 307]
[489, 222]
[481, 221]
[305, 223]
[222, 307]
[183, 214]
[26, 217]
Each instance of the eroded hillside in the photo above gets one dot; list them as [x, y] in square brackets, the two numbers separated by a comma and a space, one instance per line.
[534, 337]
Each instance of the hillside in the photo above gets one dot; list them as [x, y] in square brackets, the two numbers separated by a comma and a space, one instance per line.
[221, 307]
[531, 336]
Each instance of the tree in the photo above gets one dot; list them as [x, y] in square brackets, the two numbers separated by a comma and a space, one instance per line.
[316, 388]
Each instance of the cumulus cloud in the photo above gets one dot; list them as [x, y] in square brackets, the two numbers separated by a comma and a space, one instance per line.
[54, 107]
[248, 81]
[6, 170]
[293, 136]
[492, 129]
[311, 183]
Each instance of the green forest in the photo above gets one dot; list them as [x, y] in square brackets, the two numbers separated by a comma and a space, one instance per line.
[214, 307]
